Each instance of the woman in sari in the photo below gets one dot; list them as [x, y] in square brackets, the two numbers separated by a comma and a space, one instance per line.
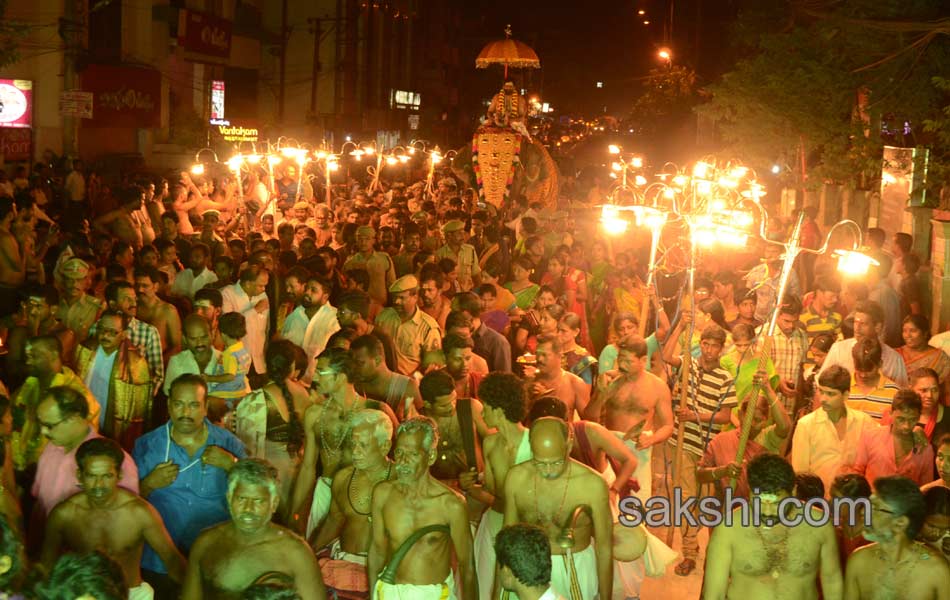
[917, 353]
[577, 359]
[270, 420]
[521, 286]
[570, 287]
[934, 415]
[597, 284]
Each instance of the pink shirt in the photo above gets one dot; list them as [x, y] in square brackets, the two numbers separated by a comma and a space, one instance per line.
[875, 459]
[56, 475]
[722, 450]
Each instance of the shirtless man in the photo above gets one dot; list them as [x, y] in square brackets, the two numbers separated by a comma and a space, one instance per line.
[638, 407]
[325, 433]
[771, 559]
[404, 506]
[155, 311]
[545, 491]
[349, 520]
[125, 222]
[441, 403]
[12, 261]
[230, 557]
[374, 380]
[504, 400]
[895, 565]
[109, 519]
[552, 380]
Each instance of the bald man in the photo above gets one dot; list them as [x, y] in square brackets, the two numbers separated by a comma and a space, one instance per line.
[545, 491]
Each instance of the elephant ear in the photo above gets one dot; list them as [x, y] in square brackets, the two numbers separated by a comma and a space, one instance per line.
[462, 166]
[541, 173]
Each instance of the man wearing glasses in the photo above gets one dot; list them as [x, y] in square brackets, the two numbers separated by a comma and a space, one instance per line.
[63, 417]
[895, 565]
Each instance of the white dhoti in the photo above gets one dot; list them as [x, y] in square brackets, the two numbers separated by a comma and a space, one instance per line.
[488, 528]
[578, 572]
[628, 576]
[320, 507]
[142, 591]
[409, 591]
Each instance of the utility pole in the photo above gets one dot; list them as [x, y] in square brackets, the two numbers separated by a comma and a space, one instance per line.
[283, 62]
[316, 30]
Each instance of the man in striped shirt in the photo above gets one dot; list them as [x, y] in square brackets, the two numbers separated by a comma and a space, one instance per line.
[711, 398]
[821, 317]
[871, 392]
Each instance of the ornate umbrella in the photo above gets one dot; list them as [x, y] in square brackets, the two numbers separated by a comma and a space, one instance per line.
[508, 52]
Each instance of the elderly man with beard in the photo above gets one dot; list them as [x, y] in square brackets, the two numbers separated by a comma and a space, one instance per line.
[184, 466]
[418, 524]
[232, 556]
[349, 526]
[895, 565]
[771, 558]
[549, 491]
[109, 519]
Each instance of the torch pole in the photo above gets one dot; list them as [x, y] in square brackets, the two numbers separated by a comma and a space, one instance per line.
[792, 249]
[645, 308]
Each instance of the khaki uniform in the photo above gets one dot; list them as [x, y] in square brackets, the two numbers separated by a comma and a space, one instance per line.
[380, 269]
[467, 261]
[412, 339]
[80, 315]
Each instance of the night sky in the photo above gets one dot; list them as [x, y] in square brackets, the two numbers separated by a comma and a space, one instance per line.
[581, 42]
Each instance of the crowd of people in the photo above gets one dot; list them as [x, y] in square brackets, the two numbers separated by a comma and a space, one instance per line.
[215, 388]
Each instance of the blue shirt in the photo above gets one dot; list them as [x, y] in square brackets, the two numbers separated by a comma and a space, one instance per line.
[196, 499]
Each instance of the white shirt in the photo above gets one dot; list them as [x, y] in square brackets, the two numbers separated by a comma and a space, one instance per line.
[186, 284]
[816, 447]
[75, 186]
[550, 594]
[892, 364]
[184, 362]
[235, 300]
[295, 326]
[319, 329]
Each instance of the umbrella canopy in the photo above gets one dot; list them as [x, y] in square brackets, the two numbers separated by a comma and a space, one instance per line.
[509, 53]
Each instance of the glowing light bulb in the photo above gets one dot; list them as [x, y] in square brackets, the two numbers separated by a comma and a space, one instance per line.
[254, 159]
[776, 169]
[613, 149]
[704, 187]
[853, 263]
[637, 162]
[273, 159]
[321, 155]
[392, 160]
[616, 166]
[198, 169]
[701, 169]
[333, 166]
[640, 180]
[234, 163]
[681, 181]
[669, 193]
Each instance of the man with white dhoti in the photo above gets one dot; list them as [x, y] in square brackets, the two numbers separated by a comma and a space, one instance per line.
[503, 399]
[312, 323]
[414, 506]
[553, 489]
[639, 412]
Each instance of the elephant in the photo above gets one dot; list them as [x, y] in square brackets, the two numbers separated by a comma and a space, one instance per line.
[508, 161]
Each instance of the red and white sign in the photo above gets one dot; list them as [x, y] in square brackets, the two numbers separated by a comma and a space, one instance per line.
[217, 99]
[204, 34]
[16, 144]
[16, 103]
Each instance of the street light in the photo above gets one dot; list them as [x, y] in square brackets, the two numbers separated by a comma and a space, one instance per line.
[665, 54]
